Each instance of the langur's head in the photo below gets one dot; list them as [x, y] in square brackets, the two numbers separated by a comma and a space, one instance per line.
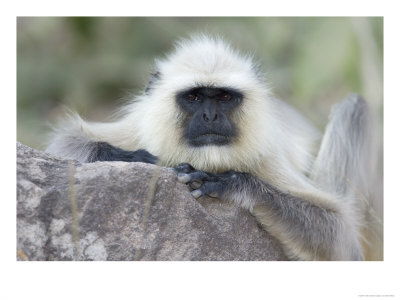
[206, 104]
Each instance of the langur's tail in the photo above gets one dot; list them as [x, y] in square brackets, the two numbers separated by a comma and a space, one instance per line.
[343, 167]
[342, 164]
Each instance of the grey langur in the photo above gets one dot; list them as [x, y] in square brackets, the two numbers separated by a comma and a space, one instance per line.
[208, 112]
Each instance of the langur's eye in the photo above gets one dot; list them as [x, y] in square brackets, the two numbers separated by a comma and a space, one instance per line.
[226, 97]
[191, 97]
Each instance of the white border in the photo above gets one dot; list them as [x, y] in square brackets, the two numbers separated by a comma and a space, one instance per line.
[195, 280]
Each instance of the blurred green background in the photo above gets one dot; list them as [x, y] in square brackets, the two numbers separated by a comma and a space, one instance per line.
[92, 65]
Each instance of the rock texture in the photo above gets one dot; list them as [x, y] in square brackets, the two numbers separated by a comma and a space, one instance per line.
[125, 211]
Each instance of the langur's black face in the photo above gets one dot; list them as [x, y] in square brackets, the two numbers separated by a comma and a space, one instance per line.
[209, 112]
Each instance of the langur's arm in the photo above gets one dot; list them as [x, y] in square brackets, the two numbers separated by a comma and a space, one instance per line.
[75, 145]
[306, 231]
[102, 151]
[77, 139]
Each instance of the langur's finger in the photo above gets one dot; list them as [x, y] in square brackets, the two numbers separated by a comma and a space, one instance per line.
[183, 178]
[195, 184]
[183, 168]
[196, 193]
[195, 176]
[211, 189]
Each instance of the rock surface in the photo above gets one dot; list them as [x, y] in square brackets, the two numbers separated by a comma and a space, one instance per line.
[125, 211]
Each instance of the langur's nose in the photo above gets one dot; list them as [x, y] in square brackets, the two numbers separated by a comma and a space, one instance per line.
[210, 117]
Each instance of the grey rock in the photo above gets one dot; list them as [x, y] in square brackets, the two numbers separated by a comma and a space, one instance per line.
[125, 211]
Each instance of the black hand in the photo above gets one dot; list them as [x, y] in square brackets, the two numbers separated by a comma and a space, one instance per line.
[184, 168]
[105, 152]
[143, 156]
[204, 183]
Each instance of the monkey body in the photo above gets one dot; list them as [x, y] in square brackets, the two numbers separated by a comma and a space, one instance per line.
[208, 113]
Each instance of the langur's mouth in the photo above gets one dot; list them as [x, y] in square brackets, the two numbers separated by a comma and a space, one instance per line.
[210, 139]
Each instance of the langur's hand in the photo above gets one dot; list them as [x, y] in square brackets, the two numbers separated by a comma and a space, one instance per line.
[204, 183]
[143, 156]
